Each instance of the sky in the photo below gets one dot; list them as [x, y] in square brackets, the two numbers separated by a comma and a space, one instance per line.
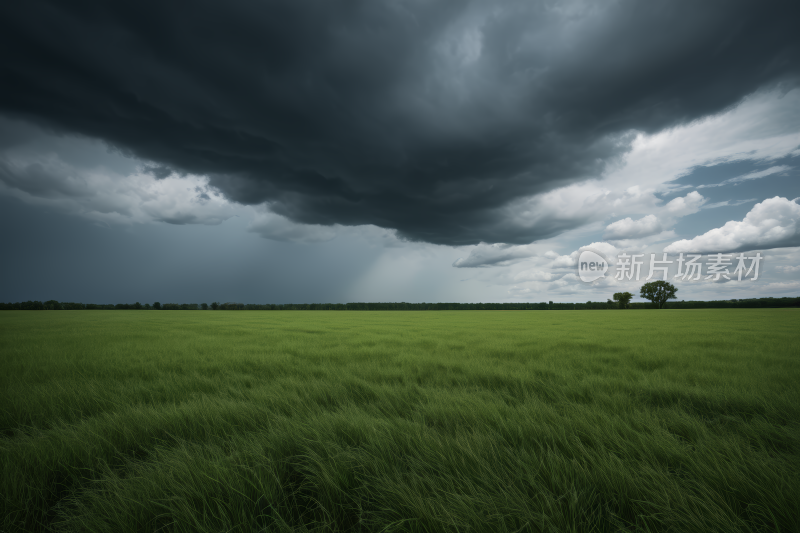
[295, 151]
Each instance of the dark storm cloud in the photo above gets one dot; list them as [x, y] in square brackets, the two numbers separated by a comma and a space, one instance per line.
[427, 117]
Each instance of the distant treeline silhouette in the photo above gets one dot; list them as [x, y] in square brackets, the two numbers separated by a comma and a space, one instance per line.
[403, 306]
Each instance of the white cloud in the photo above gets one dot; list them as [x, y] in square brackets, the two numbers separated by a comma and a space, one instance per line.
[686, 205]
[750, 176]
[729, 203]
[641, 244]
[607, 250]
[565, 261]
[773, 223]
[578, 205]
[627, 228]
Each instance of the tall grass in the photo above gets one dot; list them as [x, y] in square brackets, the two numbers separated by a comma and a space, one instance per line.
[400, 421]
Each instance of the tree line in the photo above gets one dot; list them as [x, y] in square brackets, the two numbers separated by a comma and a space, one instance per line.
[403, 306]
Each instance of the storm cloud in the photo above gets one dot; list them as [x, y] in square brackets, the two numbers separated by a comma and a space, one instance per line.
[426, 117]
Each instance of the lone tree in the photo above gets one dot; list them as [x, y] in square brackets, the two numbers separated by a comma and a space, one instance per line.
[623, 299]
[658, 292]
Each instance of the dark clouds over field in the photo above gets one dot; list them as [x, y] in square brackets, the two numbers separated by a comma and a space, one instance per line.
[425, 117]
[274, 151]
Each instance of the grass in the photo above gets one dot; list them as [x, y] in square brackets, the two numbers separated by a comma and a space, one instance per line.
[494, 421]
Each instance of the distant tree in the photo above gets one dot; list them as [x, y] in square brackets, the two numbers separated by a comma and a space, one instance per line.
[147, 306]
[658, 292]
[204, 306]
[215, 305]
[623, 299]
[137, 305]
[51, 304]
[156, 305]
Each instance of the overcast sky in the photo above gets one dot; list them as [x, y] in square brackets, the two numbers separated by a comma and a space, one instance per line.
[335, 151]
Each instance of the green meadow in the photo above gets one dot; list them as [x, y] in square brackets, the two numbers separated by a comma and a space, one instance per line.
[464, 421]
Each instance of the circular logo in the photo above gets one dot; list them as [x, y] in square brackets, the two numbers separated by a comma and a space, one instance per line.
[591, 266]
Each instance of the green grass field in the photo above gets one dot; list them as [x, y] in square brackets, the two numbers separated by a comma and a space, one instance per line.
[497, 421]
